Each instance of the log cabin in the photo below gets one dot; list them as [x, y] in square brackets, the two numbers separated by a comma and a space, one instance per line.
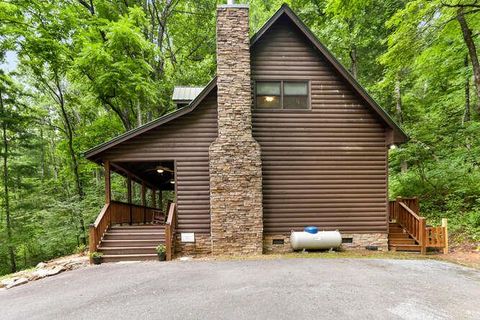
[281, 138]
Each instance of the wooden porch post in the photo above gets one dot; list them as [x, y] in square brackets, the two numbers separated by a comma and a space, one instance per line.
[154, 198]
[144, 202]
[108, 187]
[445, 235]
[422, 236]
[160, 200]
[129, 196]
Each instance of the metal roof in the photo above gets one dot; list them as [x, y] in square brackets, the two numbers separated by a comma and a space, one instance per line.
[184, 93]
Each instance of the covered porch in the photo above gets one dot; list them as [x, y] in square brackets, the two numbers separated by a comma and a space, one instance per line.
[124, 228]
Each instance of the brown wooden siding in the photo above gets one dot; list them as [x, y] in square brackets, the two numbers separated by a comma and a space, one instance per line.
[185, 140]
[325, 166]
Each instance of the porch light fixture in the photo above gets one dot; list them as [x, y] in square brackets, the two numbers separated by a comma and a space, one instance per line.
[269, 99]
[172, 181]
[160, 170]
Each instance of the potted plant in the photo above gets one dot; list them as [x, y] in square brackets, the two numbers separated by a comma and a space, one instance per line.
[162, 252]
[96, 257]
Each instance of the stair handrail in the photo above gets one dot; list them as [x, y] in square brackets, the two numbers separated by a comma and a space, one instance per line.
[413, 224]
[98, 228]
[170, 225]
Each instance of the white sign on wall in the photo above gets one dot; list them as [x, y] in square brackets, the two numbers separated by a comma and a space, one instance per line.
[188, 237]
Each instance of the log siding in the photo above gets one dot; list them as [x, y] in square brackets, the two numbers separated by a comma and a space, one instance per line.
[325, 166]
[185, 140]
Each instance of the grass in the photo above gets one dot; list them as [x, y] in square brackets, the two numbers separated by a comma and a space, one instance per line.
[351, 254]
[17, 274]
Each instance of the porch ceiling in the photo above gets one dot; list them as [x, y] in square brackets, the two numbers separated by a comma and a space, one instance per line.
[147, 172]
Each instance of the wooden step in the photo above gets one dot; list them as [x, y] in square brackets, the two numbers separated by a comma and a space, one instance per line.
[127, 250]
[134, 236]
[402, 241]
[398, 235]
[131, 243]
[129, 257]
[405, 247]
[146, 230]
[138, 227]
[395, 231]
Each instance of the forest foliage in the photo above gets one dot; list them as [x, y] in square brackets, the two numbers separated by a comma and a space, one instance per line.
[76, 73]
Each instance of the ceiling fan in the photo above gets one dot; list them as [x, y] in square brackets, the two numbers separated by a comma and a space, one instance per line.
[160, 169]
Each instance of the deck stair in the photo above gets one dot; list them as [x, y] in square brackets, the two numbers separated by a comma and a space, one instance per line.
[400, 240]
[131, 243]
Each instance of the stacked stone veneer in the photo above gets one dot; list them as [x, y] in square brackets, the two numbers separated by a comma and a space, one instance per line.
[359, 241]
[235, 164]
[201, 246]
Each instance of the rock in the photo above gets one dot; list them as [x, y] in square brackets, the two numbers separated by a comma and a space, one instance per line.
[17, 282]
[185, 258]
[42, 273]
[41, 265]
[7, 282]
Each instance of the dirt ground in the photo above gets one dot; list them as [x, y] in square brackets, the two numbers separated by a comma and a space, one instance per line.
[466, 255]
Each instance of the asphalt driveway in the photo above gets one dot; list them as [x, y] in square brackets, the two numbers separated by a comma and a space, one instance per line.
[263, 289]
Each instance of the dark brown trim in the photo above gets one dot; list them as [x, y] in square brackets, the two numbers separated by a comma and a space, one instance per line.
[282, 94]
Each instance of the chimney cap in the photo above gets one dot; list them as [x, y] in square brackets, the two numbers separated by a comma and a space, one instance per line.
[232, 4]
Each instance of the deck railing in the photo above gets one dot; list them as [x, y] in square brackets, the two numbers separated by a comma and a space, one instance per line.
[98, 228]
[132, 213]
[405, 212]
[170, 227]
[117, 212]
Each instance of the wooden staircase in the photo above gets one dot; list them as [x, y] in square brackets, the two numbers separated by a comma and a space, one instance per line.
[126, 232]
[131, 243]
[408, 230]
[400, 240]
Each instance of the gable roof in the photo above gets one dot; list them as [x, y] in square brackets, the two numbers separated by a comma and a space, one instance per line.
[399, 135]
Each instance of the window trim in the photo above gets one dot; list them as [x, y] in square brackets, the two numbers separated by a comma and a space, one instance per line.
[282, 108]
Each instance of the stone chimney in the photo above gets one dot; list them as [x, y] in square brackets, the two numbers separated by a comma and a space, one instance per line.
[235, 163]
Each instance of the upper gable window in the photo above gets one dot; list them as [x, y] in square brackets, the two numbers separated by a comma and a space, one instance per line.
[269, 95]
[282, 95]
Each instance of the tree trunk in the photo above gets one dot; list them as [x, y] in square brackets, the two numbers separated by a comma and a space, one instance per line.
[472, 52]
[466, 114]
[398, 101]
[354, 62]
[139, 115]
[6, 196]
[73, 156]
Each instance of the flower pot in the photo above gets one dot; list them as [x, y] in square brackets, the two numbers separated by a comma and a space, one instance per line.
[162, 256]
[97, 260]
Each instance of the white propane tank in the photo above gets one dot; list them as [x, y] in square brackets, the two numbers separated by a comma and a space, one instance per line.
[320, 240]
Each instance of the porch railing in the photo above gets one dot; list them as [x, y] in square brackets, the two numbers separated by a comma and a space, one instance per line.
[117, 212]
[405, 212]
[99, 227]
[170, 226]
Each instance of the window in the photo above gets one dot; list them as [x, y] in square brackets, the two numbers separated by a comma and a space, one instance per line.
[269, 95]
[281, 95]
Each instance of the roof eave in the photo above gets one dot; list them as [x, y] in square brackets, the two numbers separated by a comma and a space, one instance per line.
[90, 154]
